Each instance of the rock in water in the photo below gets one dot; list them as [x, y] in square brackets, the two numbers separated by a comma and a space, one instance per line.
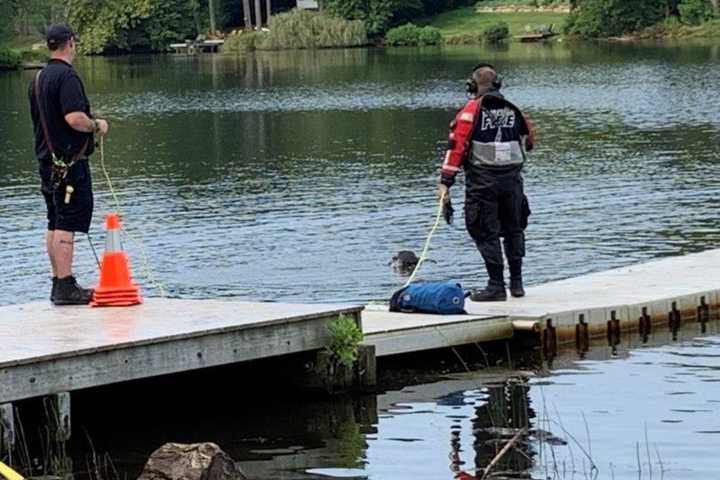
[197, 461]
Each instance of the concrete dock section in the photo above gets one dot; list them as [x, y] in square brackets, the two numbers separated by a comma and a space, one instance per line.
[397, 333]
[638, 297]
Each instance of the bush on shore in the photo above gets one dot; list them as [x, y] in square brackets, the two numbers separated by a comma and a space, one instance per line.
[412, 35]
[12, 58]
[496, 33]
[301, 29]
[9, 58]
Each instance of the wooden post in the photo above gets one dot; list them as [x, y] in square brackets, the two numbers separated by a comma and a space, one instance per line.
[366, 367]
[7, 427]
[58, 412]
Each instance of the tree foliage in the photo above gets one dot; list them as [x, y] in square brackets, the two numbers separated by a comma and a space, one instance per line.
[381, 15]
[132, 24]
[6, 25]
[607, 18]
[695, 12]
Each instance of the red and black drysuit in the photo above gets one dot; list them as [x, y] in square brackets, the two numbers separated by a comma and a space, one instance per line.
[489, 138]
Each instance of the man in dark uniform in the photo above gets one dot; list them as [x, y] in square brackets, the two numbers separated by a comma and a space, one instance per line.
[64, 138]
[489, 139]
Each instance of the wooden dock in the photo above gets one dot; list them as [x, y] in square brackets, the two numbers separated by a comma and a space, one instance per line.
[51, 351]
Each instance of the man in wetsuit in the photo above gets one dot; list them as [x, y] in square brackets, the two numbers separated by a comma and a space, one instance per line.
[64, 129]
[489, 138]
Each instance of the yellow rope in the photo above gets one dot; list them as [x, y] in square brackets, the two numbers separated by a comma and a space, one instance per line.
[423, 254]
[9, 473]
[137, 243]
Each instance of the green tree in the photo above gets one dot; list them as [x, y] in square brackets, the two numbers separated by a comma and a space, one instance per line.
[378, 15]
[6, 21]
[695, 12]
[132, 24]
[606, 18]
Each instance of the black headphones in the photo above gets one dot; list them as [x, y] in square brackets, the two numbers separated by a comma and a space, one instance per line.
[471, 85]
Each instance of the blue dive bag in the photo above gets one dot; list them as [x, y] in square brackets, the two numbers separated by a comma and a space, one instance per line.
[443, 298]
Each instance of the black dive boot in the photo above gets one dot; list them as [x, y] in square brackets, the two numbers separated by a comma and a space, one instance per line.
[516, 283]
[492, 293]
[495, 290]
[68, 292]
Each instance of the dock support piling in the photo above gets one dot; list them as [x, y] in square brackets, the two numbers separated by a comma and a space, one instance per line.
[703, 311]
[644, 325]
[582, 335]
[613, 330]
[58, 413]
[366, 367]
[674, 320]
[549, 340]
[7, 427]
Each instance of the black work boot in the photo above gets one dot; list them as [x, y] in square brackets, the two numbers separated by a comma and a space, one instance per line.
[516, 287]
[516, 283]
[54, 289]
[492, 293]
[68, 292]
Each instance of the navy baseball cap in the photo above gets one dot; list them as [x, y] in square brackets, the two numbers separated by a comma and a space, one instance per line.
[59, 33]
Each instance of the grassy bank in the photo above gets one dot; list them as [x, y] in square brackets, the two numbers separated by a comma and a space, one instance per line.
[468, 21]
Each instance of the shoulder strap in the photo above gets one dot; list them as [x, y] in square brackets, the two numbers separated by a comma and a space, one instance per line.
[41, 113]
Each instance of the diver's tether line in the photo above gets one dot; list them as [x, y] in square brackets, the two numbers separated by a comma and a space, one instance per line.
[146, 262]
[423, 254]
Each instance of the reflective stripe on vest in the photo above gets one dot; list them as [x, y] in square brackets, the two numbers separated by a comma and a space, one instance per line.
[498, 153]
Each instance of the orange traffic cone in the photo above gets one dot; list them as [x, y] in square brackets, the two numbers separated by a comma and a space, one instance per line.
[116, 288]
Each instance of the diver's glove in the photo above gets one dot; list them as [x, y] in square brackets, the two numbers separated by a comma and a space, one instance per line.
[443, 192]
[448, 211]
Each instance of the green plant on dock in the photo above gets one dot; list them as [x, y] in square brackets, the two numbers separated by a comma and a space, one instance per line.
[345, 336]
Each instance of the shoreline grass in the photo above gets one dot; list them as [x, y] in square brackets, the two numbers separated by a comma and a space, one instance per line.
[468, 21]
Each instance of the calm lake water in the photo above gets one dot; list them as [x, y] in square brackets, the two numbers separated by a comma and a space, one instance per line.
[295, 176]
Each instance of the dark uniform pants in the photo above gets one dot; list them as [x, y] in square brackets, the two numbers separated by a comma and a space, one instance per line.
[493, 209]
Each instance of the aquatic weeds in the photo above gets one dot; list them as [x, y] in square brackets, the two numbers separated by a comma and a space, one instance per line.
[345, 336]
